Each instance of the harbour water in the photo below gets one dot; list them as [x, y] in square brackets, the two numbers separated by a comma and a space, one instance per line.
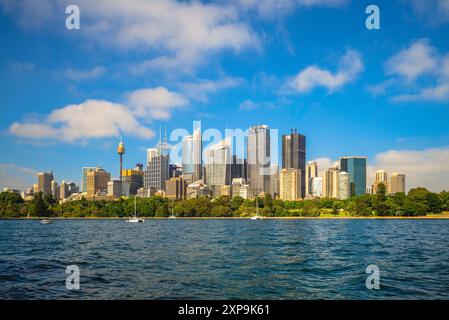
[225, 259]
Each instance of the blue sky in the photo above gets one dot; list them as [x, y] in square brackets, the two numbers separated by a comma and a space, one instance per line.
[67, 96]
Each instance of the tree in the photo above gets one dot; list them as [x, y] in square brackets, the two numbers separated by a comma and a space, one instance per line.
[381, 193]
[40, 208]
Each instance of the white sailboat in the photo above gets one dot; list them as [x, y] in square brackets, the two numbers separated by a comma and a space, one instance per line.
[256, 217]
[135, 219]
[46, 221]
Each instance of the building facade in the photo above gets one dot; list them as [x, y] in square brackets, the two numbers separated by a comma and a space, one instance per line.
[259, 158]
[44, 182]
[311, 172]
[97, 182]
[397, 183]
[290, 184]
[294, 155]
[356, 167]
[192, 162]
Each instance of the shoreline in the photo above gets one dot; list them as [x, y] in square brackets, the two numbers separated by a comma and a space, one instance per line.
[429, 217]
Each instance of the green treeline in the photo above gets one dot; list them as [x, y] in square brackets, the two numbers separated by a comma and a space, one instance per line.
[418, 202]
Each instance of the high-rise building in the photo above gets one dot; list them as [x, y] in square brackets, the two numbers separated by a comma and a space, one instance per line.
[311, 172]
[356, 167]
[192, 155]
[238, 168]
[294, 155]
[85, 171]
[290, 184]
[381, 178]
[176, 188]
[115, 188]
[275, 180]
[157, 172]
[97, 182]
[44, 180]
[64, 190]
[55, 190]
[218, 164]
[259, 162]
[175, 170]
[344, 185]
[317, 187]
[397, 182]
[134, 177]
[331, 183]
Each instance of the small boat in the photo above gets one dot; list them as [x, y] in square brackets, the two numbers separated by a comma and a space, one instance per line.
[256, 217]
[135, 219]
[46, 221]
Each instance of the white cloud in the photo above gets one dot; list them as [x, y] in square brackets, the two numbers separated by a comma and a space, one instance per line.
[200, 90]
[16, 177]
[179, 30]
[275, 8]
[434, 11]
[418, 59]
[155, 102]
[427, 168]
[90, 119]
[440, 93]
[311, 77]
[419, 70]
[78, 75]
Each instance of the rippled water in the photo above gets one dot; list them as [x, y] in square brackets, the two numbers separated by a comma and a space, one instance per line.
[225, 259]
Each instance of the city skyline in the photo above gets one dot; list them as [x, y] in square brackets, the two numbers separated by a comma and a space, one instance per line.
[377, 93]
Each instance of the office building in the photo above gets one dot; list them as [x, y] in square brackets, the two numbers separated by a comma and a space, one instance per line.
[344, 185]
[317, 187]
[176, 188]
[85, 171]
[331, 183]
[97, 182]
[55, 190]
[290, 184]
[218, 164]
[311, 172]
[294, 155]
[115, 188]
[259, 154]
[397, 182]
[134, 177]
[238, 168]
[381, 178]
[192, 155]
[44, 182]
[356, 167]
[157, 170]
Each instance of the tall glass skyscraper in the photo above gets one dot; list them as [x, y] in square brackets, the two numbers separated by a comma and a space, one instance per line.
[259, 161]
[356, 167]
[192, 155]
[294, 155]
[218, 163]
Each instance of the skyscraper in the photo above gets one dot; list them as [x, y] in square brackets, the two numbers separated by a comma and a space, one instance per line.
[97, 182]
[356, 167]
[192, 155]
[344, 185]
[397, 182]
[121, 152]
[311, 172]
[259, 153]
[238, 168]
[381, 178]
[44, 180]
[294, 155]
[85, 171]
[157, 171]
[331, 183]
[290, 184]
[218, 164]
[176, 188]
